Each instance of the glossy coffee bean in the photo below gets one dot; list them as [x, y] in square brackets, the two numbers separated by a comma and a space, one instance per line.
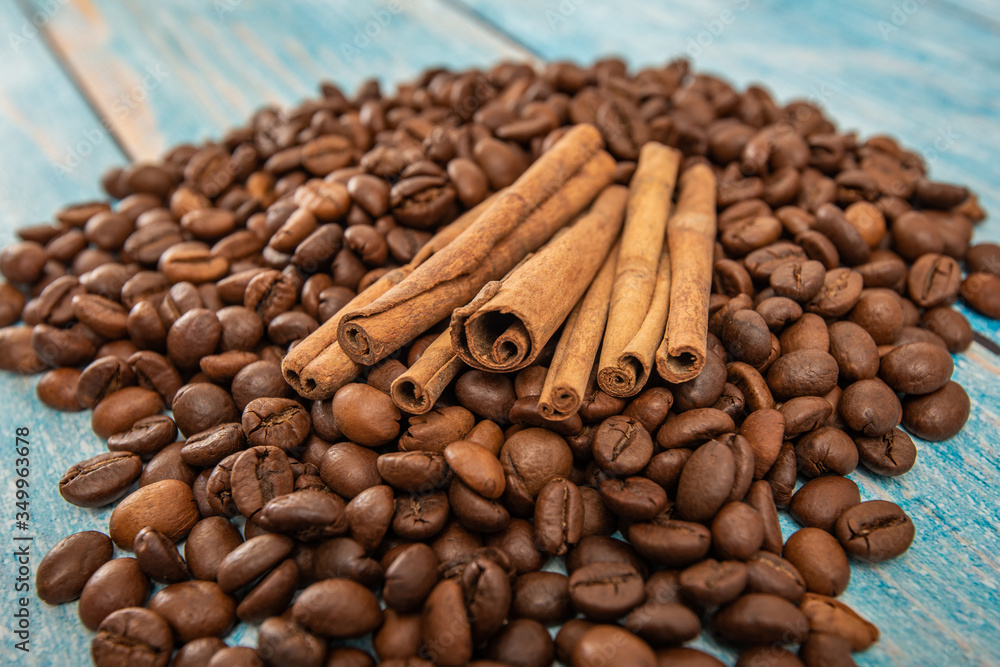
[818, 556]
[195, 609]
[65, 569]
[132, 636]
[938, 415]
[100, 480]
[890, 454]
[117, 584]
[875, 530]
[604, 591]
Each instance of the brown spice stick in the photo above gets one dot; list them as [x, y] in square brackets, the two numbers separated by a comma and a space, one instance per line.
[626, 359]
[573, 361]
[328, 367]
[451, 277]
[418, 389]
[691, 238]
[509, 322]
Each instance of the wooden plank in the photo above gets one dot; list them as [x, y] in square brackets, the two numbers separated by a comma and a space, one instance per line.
[202, 67]
[54, 150]
[54, 146]
[928, 80]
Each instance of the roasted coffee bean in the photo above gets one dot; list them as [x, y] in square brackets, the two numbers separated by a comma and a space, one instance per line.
[155, 372]
[64, 347]
[875, 530]
[764, 430]
[201, 405]
[209, 447]
[284, 642]
[413, 471]
[558, 516]
[705, 482]
[854, 350]
[489, 395]
[167, 506]
[758, 618]
[650, 407]
[207, 545]
[120, 410]
[622, 446]
[198, 652]
[367, 416]
[194, 335]
[880, 313]
[276, 422]
[158, 557]
[57, 389]
[820, 501]
[531, 458]
[890, 454]
[477, 467]
[11, 304]
[691, 428]
[168, 464]
[711, 583]
[772, 574]
[939, 415]
[934, 280]
[826, 450]
[100, 480]
[251, 560]
[808, 372]
[830, 616]
[195, 609]
[605, 591]
[594, 646]
[435, 429]
[307, 514]
[68, 565]
[951, 325]
[871, 406]
[474, 511]
[132, 636]
[522, 642]
[103, 376]
[259, 475]
[747, 337]
[543, 597]
[737, 531]
[916, 368]
[349, 469]
[445, 627]
[820, 560]
[418, 517]
[117, 584]
[633, 498]
[191, 261]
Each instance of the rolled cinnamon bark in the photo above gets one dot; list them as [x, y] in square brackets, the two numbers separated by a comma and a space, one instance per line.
[317, 367]
[573, 361]
[637, 314]
[509, 322]
[691, 239]
[574, 167]
[418, 389]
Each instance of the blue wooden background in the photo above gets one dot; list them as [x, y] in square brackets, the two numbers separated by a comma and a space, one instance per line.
[87, 84]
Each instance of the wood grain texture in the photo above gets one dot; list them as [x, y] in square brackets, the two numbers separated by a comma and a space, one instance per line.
[932, 82]
[201, 67]
[54, 147]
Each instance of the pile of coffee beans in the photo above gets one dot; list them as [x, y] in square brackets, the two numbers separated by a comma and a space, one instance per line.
[838, 262]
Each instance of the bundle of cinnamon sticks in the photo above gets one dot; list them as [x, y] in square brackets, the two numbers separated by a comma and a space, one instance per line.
[623, 273]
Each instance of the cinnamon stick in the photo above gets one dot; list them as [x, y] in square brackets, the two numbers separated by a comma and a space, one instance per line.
[575, 167]
[691, 236]
[509, 322]
[317, 366]
[418, 389]
[571, 366]
[636, 319]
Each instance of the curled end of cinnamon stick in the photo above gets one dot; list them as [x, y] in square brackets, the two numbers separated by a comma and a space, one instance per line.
[409, 396]
[356, 342]
[623, 379]
[681, 364]
[559, 403]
